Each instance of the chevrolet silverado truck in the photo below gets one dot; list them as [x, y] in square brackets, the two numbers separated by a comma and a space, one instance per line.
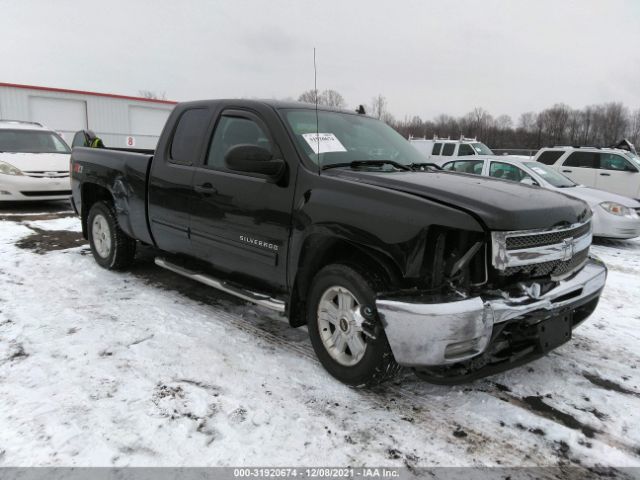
[334, 220]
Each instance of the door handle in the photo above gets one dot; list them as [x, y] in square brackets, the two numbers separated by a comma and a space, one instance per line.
[605, 174]
[567, 171]
[205, 188]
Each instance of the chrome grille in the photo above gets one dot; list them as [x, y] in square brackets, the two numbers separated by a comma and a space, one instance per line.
[543, 239]
[537, 253]
[554, 267]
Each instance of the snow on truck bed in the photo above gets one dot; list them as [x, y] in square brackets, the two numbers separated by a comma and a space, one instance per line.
[148, 368]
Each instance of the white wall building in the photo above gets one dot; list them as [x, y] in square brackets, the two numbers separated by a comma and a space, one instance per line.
[120, 120]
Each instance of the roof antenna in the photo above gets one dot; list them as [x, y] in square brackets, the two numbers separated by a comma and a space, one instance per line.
[315, 91]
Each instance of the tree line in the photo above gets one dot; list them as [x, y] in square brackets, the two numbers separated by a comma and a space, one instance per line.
[601, 125]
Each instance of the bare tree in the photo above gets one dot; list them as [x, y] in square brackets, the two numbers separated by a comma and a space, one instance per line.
[379, 106]
[152, 95]
[309, 96]
[634, 128]
[331, 98]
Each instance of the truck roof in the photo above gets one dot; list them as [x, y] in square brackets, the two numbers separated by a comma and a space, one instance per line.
[275, 104]
[22, 125]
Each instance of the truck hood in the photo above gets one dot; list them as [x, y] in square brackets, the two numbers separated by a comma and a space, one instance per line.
[37, 162]
[501, 205]
[595, 197]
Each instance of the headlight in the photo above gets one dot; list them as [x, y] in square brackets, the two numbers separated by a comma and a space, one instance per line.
[8, 169]
[619, 210]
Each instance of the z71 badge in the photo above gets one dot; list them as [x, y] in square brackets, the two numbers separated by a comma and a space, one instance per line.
[259, 243]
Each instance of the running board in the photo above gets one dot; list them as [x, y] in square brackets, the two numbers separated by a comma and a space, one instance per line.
[257, 298]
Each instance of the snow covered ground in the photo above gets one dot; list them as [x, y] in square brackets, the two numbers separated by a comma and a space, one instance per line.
[148, 368]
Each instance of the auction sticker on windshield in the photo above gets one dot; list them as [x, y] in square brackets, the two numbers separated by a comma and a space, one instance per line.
[323, 142]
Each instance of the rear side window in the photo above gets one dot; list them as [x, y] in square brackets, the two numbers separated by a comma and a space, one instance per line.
[582, 160]
[436, 149]
[448, 149]
[549, 157]
[189, 133]
[465, 149]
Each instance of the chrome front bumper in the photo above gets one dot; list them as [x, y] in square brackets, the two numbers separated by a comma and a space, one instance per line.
[430, 334]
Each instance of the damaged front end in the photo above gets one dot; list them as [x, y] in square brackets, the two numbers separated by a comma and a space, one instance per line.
[540, 285]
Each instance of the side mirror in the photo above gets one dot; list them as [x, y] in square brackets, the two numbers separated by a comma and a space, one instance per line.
[529, 181]
[254, 159]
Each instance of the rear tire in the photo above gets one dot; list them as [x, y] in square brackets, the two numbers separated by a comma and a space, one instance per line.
[111, 247]
[341, 319]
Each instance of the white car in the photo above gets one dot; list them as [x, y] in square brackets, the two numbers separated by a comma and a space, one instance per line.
[34, 163]
[441, 150]
[610, 169]
[614, 216]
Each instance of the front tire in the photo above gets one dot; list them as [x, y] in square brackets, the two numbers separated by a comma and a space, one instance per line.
[111, 247]
[345, 333]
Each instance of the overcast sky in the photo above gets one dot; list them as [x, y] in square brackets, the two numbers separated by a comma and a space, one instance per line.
[426, 57]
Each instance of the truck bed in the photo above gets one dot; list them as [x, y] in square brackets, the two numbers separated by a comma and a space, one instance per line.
[124, 173]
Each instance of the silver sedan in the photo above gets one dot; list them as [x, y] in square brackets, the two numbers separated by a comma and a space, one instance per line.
[614, 216]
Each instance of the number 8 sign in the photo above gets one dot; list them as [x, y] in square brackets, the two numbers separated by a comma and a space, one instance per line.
[131, 142]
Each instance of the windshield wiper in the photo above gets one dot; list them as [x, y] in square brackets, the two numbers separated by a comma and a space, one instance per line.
[423, 166]
[364, 163]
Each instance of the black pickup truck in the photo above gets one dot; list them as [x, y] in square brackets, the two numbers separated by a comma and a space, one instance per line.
[333, 219]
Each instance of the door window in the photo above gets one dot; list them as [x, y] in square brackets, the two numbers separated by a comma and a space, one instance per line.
[447, 151]
[188, 136]
[611, 161]
[506, 171]
[233, 131]
[465, 149]
[436, 149]
[465, 166]
[582, 160]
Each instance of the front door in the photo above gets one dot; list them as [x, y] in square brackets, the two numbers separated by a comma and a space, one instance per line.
[617, 175]
[240, 222]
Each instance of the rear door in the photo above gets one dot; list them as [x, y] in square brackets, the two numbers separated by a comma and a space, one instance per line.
[240, 222]
[581, 167]
[170, 181]
[617, 175]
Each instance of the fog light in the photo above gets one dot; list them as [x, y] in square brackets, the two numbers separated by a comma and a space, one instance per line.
[462, 349]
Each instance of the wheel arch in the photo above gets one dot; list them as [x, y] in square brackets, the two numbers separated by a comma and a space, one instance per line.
[91, 194]
[319, 250]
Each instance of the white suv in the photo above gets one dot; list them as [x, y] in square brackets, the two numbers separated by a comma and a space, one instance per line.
[610, 169]
[440, 150]
[34, 163]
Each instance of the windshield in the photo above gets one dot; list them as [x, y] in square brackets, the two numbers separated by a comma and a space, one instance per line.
[550, 175]
[481, 149]
[634, 159]
[346, 138]
[31, 141]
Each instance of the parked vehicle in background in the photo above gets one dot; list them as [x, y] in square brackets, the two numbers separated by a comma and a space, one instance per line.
[439, 150]
[614, 216]
[388, 261]
[34, 163]
[611, 169]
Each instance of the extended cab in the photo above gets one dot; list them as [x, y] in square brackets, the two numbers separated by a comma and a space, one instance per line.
[334, 219]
